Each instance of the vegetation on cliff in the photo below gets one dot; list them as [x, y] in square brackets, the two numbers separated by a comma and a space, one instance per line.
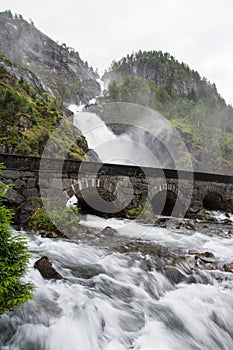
[191, 103]
[14, 258]
[29, 115]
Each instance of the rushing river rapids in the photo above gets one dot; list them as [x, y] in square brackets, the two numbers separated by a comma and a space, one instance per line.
[130, 286]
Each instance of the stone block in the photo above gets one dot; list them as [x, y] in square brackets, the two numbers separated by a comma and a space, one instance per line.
[19, 184]
[44, 183]
[31, 183]
[25, 174]
[13, 197]
[56, 184]
[30, 192]
[10, 174]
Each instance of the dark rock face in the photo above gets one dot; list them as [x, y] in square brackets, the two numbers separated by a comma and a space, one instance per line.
[26, 209]
[13, 69]
[44, 265]
[58, 66]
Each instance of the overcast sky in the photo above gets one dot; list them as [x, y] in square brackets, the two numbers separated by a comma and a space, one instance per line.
[197, 32]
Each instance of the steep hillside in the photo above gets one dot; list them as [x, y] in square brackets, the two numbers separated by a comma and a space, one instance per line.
[58, 66]
[29, 115]
[191, 103]
[165, 71]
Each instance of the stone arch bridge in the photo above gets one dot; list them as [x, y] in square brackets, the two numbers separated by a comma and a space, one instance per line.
[115, 189]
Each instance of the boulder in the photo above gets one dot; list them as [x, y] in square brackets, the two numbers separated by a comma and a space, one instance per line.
[44, 265]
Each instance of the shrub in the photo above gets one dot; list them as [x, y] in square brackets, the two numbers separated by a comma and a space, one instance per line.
[57, 220]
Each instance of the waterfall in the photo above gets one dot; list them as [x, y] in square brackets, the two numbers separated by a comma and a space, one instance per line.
[128, 148]
[109, 147]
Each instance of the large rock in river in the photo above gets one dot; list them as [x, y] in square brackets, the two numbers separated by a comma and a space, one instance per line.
[44, 265]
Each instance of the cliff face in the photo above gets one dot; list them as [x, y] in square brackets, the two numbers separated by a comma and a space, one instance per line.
[58, 66]
[30, 116]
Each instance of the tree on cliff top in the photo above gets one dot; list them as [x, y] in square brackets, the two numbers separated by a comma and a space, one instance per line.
[13, 263]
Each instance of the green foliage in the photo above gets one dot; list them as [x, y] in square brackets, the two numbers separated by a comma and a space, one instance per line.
[142, 211]
[56, 220]
[28, 117]
[14, 258]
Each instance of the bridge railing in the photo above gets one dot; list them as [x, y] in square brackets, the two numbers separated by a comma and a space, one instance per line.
[29, 163]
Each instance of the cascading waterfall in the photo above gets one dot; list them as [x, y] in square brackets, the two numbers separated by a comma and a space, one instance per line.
[111, 148]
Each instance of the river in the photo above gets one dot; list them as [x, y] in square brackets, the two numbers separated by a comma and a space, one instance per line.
[131, 286]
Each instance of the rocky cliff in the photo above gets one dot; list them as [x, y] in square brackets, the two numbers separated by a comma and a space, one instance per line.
[29, 116]
[59, 67]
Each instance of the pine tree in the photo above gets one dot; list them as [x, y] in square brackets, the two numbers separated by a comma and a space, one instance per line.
[14, 257]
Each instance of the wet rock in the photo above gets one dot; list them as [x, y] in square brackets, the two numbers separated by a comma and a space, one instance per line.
[80, 232]
[204, 215]
[44, 265]
[205, 226]
[211, 266]
[173, 274]
[189, 225]
[86, 271]
[205, 254]
[227, 222]
[51, 234]
[161, 222]
[109, 231]
[228, 267]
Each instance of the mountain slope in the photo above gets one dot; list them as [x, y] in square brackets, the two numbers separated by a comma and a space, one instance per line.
[29, 115]
[58, 66]
[165, 71]
[191, 104]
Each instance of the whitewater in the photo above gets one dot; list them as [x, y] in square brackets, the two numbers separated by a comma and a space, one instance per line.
[110, 299]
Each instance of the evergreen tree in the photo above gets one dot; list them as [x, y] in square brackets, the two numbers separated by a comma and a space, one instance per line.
[13, 263]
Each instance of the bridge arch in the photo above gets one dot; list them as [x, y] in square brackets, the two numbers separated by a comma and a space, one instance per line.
[91, 190]
[166, 199]
[213, 200]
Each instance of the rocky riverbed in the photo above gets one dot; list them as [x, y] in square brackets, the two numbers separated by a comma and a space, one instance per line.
[122, 284]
